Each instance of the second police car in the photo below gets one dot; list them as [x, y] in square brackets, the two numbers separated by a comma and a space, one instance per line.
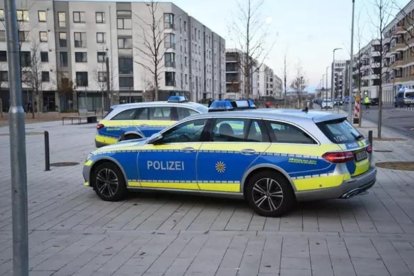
[137, 120]
[272, 158]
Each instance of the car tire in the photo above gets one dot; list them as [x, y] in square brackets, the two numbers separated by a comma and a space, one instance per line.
[269, 194]
[108, 182]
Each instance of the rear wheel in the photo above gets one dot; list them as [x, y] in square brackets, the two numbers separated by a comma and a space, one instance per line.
[108, 182]
[269, 194]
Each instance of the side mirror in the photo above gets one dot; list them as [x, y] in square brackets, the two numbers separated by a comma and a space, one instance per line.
[155, 139]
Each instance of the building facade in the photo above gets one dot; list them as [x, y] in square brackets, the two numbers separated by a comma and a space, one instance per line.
[398, 71]
[366, 71]
[101, 53]
[339, 70]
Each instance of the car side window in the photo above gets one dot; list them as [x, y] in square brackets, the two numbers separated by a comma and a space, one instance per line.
[125, 115]
[229, 130]
[141, 114]
[160, 113]
[186, 132]
[185, 112]
[254, 133]
[286, 133]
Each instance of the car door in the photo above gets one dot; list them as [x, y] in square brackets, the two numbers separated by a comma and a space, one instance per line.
[234, 144]
[170, 163]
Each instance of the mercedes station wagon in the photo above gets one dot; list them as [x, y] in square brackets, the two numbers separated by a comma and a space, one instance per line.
[271, 158]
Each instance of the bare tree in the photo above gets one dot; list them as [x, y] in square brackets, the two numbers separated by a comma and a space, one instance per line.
[152, 53]
[382, 17]
[250, 34]
[299, 84]
[32, 77]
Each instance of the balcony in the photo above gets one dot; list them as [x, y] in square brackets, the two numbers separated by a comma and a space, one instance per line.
[398, 47]
[399, 30]
[397, 63]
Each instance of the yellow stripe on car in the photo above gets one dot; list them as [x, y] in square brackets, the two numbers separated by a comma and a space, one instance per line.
[105, 139]
[319, 182]
[124, 123]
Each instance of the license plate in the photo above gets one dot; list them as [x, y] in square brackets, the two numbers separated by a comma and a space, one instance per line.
[361, 155]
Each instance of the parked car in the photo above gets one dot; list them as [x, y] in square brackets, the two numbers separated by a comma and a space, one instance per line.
[404, 98]
[338, 102]
[138, 120]
[327, 104]
[270, 157]
[374, 101]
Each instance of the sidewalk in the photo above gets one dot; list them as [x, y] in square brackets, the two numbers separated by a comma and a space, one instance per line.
[73, 232]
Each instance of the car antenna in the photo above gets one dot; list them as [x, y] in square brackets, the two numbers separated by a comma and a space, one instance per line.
[306, 109]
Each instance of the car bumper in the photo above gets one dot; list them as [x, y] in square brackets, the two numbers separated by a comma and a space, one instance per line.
[86, 172]
[347, 189]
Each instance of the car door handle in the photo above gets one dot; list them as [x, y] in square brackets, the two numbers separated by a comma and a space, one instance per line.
[188, 149]
[248, 151]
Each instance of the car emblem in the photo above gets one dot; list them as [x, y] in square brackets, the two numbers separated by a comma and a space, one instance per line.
[220, 167]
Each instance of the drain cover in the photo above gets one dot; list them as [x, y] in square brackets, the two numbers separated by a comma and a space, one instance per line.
[398, 165]
[64, 164]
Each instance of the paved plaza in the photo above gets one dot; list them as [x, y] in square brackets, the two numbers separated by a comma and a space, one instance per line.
[73, 232]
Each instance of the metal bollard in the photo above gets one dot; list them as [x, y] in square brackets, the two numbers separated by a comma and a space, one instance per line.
[370, 137]
[47, 152]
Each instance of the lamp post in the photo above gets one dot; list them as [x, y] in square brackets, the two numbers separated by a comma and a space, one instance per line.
[326, 86]
[333, 70]
[351, 65]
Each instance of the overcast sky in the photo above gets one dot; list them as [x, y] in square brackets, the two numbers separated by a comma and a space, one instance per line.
[306, 31]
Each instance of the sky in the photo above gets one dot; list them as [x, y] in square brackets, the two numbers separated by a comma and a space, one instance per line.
[305, 31]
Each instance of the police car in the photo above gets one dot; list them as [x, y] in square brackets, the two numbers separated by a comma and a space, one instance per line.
[138, 120]
[270, 157]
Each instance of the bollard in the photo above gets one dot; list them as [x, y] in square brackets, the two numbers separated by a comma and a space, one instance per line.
[47, 152]
[370, 140]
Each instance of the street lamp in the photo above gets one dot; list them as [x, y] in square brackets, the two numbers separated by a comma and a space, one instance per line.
[333, 69]
[326, 86]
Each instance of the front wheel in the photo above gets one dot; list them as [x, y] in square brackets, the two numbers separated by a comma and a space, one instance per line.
[269, 194]
[108, 182]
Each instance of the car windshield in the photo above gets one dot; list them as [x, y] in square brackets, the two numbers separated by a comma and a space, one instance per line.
[340, 131]
[409, 94]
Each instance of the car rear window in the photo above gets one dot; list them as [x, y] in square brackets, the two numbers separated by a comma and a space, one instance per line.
[340, 131]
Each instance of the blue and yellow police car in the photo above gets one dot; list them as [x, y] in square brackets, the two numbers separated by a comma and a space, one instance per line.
[270, 157]
[138, 120]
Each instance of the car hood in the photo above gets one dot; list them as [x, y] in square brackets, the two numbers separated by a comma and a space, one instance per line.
[123, 144]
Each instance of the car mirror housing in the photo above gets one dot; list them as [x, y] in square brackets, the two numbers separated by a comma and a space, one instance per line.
[155, 139]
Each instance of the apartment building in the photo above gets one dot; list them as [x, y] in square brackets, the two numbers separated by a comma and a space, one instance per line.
[398, 71]
[366, 71]
[84, 38]
[264, 83]
[339, 80]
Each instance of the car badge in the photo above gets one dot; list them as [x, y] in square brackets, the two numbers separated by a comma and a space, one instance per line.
[220, 167]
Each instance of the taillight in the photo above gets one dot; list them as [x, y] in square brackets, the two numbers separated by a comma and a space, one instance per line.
[369, 149]
[338, 157]
[99, 126]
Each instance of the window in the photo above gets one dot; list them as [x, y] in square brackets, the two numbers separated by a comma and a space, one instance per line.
[43, 36]
[45, 76]
[3, 56]
[2, 35]
[169, 60]
[100, 17]
[25, 59]
[285, 133]
[125, 65]
[187, 132]
[63, 58]
[126, 82]
[160, 113]
[101, 57]
[340, 131]
[81, 57]
[1, 15]
[4, 76]
[80, 40]
[63, 42]
[78, 17]
[23, 36]
[100, 37]
[62, 19]
[230, 130]
[169, 41]
[81, 78]
[168, 21]
[22, 15]
[183, 113]
[44, 56]
[123, 20]
[102, 76]
[41, 16]
[169, 78]
[125, 42]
